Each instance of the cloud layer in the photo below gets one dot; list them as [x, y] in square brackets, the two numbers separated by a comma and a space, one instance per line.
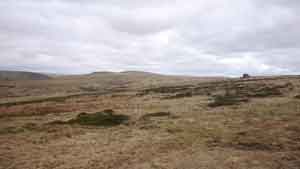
[194, 37]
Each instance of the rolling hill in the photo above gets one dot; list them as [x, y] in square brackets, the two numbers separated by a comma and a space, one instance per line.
[20, 75]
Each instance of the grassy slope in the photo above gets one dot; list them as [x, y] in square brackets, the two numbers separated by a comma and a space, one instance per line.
[261, 133]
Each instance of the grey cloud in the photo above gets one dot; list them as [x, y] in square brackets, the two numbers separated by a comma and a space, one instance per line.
[216, 37]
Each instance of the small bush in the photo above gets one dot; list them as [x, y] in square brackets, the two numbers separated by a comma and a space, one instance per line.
[104, 118]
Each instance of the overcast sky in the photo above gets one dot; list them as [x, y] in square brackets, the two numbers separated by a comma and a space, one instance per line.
[192, 37]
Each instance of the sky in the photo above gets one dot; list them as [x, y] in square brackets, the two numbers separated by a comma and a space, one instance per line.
[186, 37]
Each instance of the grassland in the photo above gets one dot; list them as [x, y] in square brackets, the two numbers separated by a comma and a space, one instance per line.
[146, 121]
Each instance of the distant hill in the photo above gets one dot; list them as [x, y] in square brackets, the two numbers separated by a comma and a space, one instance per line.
[123, 73]
[20, 75]
[139, 73]
[94, 82]
[139, 79]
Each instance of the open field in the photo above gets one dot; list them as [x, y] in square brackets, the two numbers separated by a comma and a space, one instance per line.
[138, 120]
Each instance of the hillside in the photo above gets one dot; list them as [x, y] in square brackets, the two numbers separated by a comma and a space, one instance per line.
[20, 75]
[136, 120]
[94, 82]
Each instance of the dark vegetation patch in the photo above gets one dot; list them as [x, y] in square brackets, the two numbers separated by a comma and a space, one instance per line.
[41, 100]
[103, 118]
[165, 90]
[253, 89]
[7, 86]
[179, 95]
[11, 130]
[250, 146]
[263, 91]
[158, 114]
[239, 88]
[240, 93]
[297, 96]
[30, 126]
[52, 99]
[225, 100]
[18, 129]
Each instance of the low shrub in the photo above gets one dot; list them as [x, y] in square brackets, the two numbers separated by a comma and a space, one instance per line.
[103, 118]
[225, 100]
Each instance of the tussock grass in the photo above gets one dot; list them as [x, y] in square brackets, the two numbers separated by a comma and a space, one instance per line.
[103, 118]
[225, 100]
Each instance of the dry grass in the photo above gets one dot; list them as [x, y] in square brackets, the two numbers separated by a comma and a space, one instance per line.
[156, 130]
